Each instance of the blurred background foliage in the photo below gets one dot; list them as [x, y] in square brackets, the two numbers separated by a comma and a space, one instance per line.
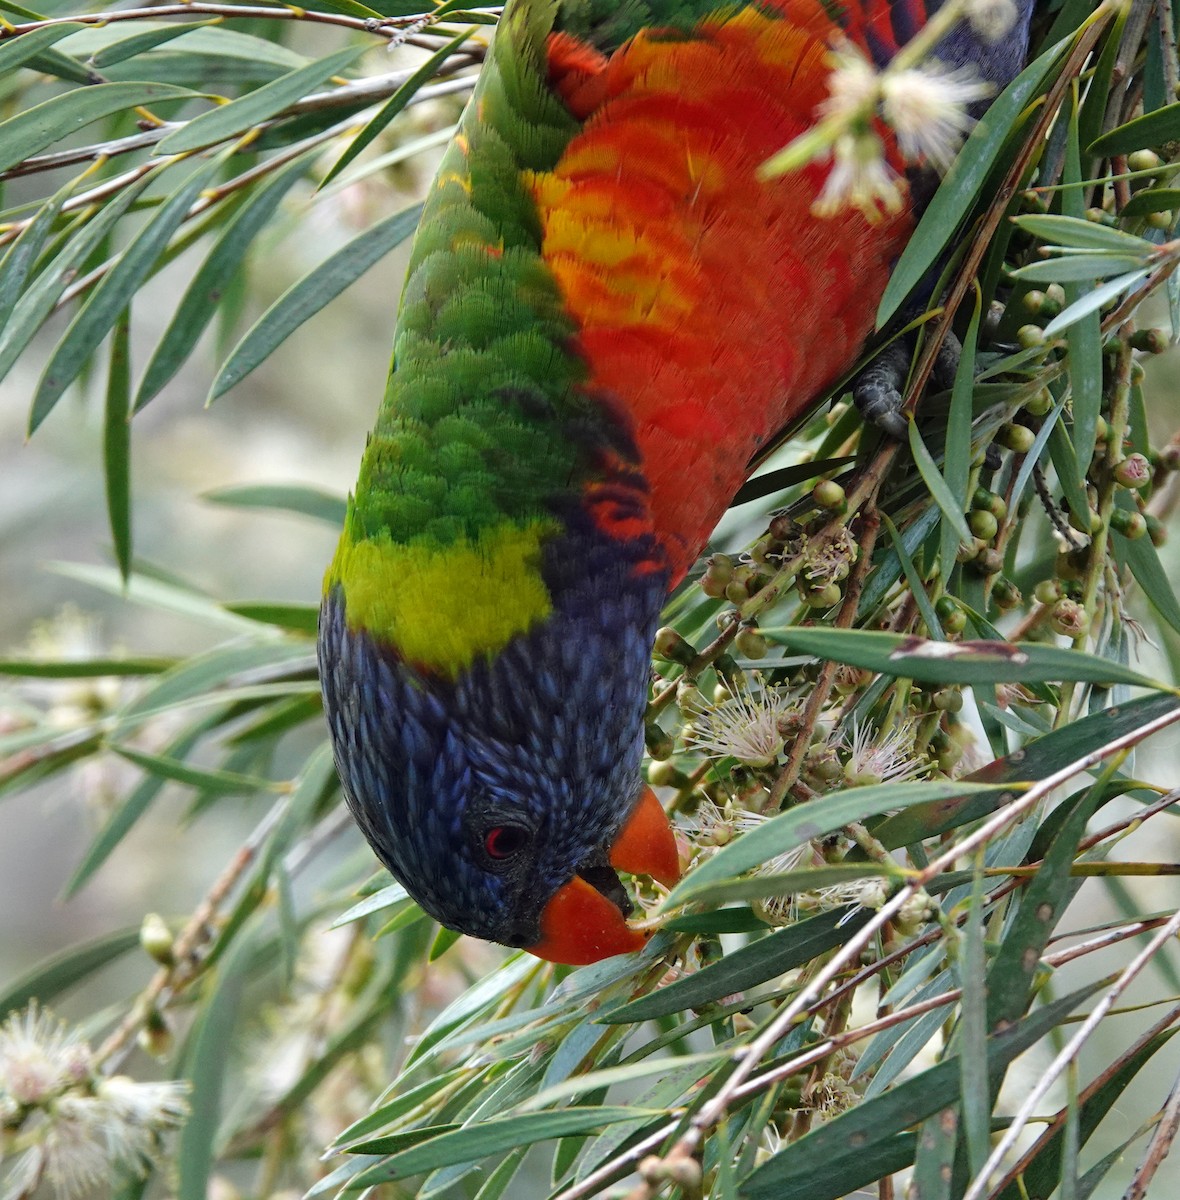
[161, 749]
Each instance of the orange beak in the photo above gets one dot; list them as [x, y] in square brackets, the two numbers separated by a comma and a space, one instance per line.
[579, 924]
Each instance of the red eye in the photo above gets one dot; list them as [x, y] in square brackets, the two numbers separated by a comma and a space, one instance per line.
[503, 841]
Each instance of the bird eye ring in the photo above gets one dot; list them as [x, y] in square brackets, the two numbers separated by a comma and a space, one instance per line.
[505, 841]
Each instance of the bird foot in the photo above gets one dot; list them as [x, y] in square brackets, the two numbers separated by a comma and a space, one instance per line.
[877, 390]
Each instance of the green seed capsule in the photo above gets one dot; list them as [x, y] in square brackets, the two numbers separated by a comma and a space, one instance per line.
[1048, 591]
[1132, 525]
[1041, 404]
[944, 606]
[828, 494]
[665, 774]
[1144, 160]
[1016, 437]
[954, 622]
[1030, 335]
[1155, 530]
[989, 562]
[750, 643]
[1160, 220]
[671, 647]
[983, 524]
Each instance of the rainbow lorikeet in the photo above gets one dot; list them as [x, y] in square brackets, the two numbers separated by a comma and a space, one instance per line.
[608, 311]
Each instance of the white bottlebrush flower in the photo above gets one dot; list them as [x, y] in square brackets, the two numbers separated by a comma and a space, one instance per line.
[853, 85]
[137, 1114]
[926, 106]
[64, 1147]
[39, 1057]
[991, 19]
[874, 757]
[745, 727]
[860, 178]
[62, 1123]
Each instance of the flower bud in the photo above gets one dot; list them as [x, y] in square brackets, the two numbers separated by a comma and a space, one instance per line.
[1069, 618]
[156, 939]
[1133, 472]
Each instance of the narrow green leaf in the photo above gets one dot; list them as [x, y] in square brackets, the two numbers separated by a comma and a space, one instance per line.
[46, 123]
[112, 293]
[1072, 230]
[141, 43]
[936, 485]
[307, 501]
[967, 663]
[25, 250]
[156, 594]
[205, 1065]
[1142, 559]
[1065, 463]
[722, 920]
[305, 298]
[805, 822]
[963, 183]
[935, 1156]
[1150, 130]
[443, 941]
[497, 1182]
[916, 584]
[223, 783]
[387, 897]
[49, 979]
[38, 301]
[198, 305]
[351, 8]
[779, 480]
[745, 968]
[397, 102]
[295, 618]
[116, 442]
[17, 52]
[956, 459]
[1080, 268]
[83, 668]
[1152, 200]
[238, 116]
[971, 1047]
[472, 1143]
[608, 1077]
[1084, 334]
[1093, 300]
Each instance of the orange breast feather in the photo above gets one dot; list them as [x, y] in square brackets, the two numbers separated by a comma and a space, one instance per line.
[712, 306]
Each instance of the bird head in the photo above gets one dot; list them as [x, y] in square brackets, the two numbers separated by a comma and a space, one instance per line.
[507, 799]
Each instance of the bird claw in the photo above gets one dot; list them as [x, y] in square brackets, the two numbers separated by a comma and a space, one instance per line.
[876, 391]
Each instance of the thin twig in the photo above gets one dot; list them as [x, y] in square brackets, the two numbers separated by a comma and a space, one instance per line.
[185, 965]
[1158, 1147]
